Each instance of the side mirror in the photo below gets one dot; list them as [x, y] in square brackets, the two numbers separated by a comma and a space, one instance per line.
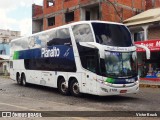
[148, 53]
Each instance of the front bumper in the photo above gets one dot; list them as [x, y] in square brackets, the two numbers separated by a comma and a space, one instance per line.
[105, 90]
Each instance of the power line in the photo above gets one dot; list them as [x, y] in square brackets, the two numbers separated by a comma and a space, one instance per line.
[121, 18]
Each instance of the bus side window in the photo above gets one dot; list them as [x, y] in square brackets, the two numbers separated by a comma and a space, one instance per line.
[61, 37]
[83, 33]
[91, 63]
[102, 67]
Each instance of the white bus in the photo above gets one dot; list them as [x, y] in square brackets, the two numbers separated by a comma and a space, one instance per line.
[93, 57]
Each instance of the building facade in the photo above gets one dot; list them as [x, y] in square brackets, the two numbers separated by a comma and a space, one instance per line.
[5, 38]
[55, 13]
[145, 30]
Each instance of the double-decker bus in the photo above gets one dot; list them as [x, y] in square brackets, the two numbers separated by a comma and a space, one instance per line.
[93, 57]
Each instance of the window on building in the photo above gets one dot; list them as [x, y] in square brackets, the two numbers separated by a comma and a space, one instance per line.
[50, 3]
[2, 52]
[4, 40]
[139, 36]
[51, 21]
[11, 64]
[5, 67]
[153, 3]
[69, 16]
[88, 14]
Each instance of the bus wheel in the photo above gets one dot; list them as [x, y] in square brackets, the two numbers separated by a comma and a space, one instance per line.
[63, 89]
[23, 79]
[74, 88]
[19, 82]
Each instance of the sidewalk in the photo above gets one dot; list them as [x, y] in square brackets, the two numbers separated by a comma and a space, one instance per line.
[149, 83]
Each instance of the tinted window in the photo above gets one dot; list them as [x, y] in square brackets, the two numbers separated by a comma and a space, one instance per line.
[47, 42]
[112, 35]
[50, 64]
[89, 58]
[83, 33]
[120, 64]
[60, 37]
[91, 63]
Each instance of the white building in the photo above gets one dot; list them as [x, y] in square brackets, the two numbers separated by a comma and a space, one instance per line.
[145, 30]
[6, 35]
[5, 38]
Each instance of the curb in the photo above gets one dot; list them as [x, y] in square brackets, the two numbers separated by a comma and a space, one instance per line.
[5, 76]
[149, 86]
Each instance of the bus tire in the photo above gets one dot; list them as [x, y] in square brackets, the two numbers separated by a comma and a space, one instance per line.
[23, 79]
[62, 86]
[19, 82]
[74, 88]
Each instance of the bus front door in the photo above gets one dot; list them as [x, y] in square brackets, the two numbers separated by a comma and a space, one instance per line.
[90, 74]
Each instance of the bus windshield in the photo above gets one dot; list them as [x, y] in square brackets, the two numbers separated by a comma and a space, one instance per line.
[120, 65]
[112, 34]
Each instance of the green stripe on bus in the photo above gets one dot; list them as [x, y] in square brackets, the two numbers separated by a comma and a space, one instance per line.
[110, 80]
[16, 55]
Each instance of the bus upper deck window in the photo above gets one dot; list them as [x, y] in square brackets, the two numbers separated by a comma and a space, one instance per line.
[83, 33]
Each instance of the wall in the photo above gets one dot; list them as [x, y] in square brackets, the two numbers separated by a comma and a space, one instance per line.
[37, 10]
[152, 4]
[120, 10]
[7, 35]
[37, 26]
[6, 48]
[6, 69]
[154, 33]
[115, 10]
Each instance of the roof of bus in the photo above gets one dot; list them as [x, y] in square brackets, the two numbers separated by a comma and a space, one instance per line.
[98, 21]
[71, 24]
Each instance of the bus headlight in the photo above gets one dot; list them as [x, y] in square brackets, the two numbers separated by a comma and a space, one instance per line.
[103, 82]
[137, 82]
[100, 81]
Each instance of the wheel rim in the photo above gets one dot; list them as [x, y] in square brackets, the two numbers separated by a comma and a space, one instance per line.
[63, 87]
[76, 88]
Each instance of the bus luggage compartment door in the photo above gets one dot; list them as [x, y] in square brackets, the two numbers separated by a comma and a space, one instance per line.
[47, 79]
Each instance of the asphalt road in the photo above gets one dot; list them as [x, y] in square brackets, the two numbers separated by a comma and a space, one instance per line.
[37, 98]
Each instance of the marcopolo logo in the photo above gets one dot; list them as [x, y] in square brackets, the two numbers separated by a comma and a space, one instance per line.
[54, 52]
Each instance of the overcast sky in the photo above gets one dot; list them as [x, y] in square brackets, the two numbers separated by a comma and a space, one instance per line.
[16, 15]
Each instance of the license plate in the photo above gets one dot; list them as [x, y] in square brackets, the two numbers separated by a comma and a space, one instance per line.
[123, 91]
